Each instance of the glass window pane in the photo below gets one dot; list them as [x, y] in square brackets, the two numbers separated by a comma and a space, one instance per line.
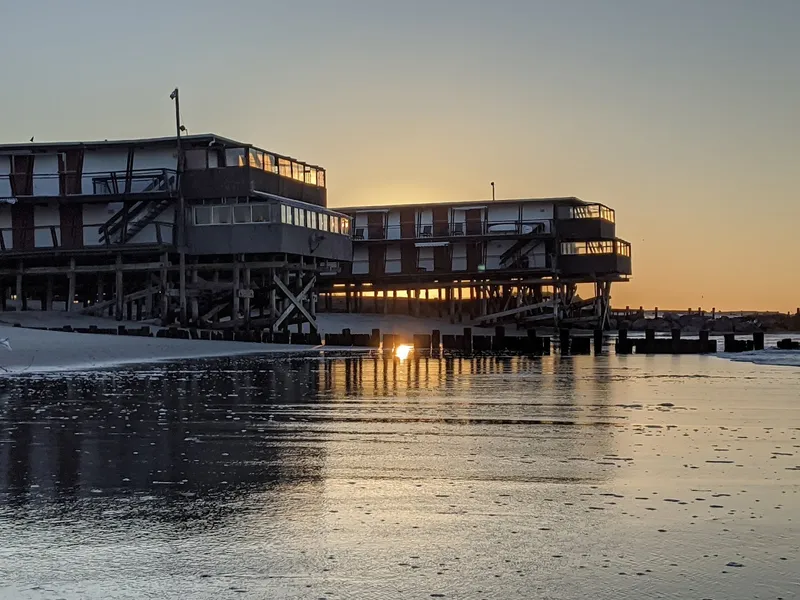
[285, 167]
[270, 164]
[323, 222]
[260, 213]
[297, 171]
[222, 215]
[334, 224]
[234, 157]
[195, 159]
[241, 213]
[320, 178]
[202, 215]
[256, 158]
[311, 219]
[311, 176]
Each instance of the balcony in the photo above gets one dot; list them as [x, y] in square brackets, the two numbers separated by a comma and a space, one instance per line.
[597, 257]
[586, 221]
[45, 239]
[152, 182]
[452, 230]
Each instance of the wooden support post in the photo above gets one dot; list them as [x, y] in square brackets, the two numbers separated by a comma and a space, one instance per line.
[247, 296]
[215, 279]
[312, 309]
[375, 300]
[273, 300]
[182, 284]
[298, 287]
[71, 285]
[564, 339]
[236, 306]
[598, 341]
[460, 305]
[100, 292]
[385, 302]
[451, 307]
[417, 302]
[347, 298]
[48, 299]
[195, 303]
[21, 301]
[120, 295]
[164, 309]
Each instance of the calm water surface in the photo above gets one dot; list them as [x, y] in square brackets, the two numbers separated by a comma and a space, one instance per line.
[613, 477]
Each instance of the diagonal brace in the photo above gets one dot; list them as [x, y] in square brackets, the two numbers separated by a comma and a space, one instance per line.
[296, 302]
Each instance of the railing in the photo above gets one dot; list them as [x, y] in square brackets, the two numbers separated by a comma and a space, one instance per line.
[451, 230]
[590, 211]
[75, 183]
[51, 237]
[595, 248]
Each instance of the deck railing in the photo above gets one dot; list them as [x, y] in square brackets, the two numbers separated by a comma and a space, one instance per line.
[100, 183]
[42, 238]
[436, 230]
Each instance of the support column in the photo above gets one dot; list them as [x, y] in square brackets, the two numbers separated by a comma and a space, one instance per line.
[195, 303]
[247, 297]
[273, 300]
[164, 309]
[71, 285]
[236, 306]
[120, 296]
[182, 283]
[21, 301]
[48, 299]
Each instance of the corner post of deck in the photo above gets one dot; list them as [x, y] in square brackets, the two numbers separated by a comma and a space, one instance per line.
[71, 285]
[119, 303]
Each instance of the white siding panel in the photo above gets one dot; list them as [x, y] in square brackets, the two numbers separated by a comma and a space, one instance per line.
[503, 213]
[459, 257]
[101, 163]
[149, 159]
[393, 259]
[93, 215]
[393, 225]
[537, 210]
[425, 259]
[5, 182]
[494, 250]
[45, 175]
[360, 260]
[44, 217]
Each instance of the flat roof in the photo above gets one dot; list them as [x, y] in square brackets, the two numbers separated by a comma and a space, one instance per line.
[189, 140]
[572, 200]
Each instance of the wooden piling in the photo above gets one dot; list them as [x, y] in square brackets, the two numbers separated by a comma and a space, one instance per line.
[564, 340]
[758, 340]
[597, 337]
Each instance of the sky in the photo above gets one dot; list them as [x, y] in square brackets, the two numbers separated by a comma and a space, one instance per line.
[683, 115]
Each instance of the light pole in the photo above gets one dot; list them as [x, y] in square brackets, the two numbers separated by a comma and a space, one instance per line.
[180, 216]
[492, 187]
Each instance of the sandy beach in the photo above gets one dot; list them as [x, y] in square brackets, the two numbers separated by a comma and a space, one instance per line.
[35, 350]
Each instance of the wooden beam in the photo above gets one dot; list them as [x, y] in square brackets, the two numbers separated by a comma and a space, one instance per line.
[71, 285]
[295, 302]
[101, 306]
[512, 311]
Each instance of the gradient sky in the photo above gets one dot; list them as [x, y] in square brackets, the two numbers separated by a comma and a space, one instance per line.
[683, 115]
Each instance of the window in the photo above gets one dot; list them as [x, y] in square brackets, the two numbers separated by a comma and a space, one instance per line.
[241, 213]
[320, 178]
[311, 175]
[202, 215]
[323, 222]
[270, 163]
[260, 213]
[234, 157]
[311, 219]
[284, 167]
[334, 224]
[222, 215]
[297, 171]
[256, 158]
[345, 226]
[195, 159]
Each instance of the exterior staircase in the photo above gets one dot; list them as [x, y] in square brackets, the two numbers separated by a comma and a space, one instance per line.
[137, 218]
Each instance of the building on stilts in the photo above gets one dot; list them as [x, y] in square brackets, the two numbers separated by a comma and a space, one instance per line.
[195, 229]
[488, 262]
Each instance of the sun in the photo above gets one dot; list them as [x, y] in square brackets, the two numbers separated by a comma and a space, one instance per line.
[403, 350]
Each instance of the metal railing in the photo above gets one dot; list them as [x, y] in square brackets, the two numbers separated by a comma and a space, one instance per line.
[75, 183]
[451, 230]
[595, 248]
[51, 237]
[591, 211]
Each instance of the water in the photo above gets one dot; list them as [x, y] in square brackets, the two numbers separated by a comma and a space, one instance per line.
[613, 477]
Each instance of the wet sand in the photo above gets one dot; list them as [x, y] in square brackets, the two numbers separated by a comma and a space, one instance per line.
[616, 477]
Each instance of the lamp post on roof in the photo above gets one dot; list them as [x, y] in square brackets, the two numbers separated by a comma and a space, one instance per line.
[493, 191]
[180, 220]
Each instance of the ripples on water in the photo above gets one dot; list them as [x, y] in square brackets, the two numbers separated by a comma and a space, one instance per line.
[617, 477]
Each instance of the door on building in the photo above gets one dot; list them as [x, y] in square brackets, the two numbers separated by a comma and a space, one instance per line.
[408, 258]
[441, 226]
[377, 260]
[408, 223]
[70, 168]
[474, 221]
[23, 236]
[22, 175]
[474, 256]
[71, 225]
[441, 259]
[375, 229]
